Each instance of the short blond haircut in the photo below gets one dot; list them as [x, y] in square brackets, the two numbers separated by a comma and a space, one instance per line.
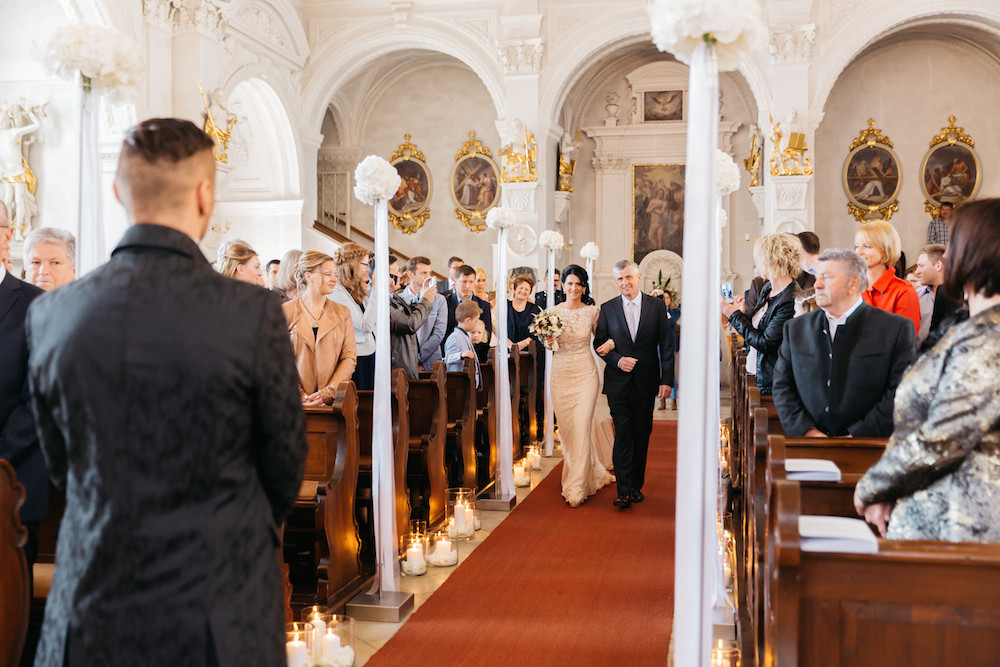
[234, 255]
[883, 237]
[778, 255]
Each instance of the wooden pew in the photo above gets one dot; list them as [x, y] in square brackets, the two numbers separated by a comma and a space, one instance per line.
[426, 474]
[400, 448]
[527, 367]
[486, 423]
[460, 445]
[912, 603]
[514, 368]
[15, 596]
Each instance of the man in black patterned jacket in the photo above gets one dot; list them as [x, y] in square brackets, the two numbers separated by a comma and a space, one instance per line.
[168, 409]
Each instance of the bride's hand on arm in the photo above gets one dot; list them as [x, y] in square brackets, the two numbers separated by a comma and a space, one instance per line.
[605, 347]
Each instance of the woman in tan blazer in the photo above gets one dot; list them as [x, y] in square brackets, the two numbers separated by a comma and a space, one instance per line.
[321, 331]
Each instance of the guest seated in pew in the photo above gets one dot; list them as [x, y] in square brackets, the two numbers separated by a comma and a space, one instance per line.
[284, 282]
[939, 478]
[178, 438]
[241, 262]
[937, 311]
[521, 313]
[459, 345]
[321, 331]
[779, 257]
[465, 282]
[49, 258]
[406, 316]
[838, 367]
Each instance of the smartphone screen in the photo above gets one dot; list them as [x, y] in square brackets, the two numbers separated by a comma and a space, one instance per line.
[727, 292]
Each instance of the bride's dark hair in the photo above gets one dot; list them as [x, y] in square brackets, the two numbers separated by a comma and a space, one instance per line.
[581, 273]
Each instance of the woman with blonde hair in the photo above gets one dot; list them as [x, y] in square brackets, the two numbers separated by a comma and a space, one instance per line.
[284, 283]
[878, 244]
[481, 281]
[320, 330]
[778, 257]
[353, 277]
[238, 260]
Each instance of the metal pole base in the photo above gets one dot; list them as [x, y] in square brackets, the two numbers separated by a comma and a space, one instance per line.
[387, 607]
[496, 502]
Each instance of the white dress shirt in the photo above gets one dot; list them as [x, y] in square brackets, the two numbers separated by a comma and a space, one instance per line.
[835, 322]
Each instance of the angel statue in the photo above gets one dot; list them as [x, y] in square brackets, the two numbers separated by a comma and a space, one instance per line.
[18, 184]
[567, 164]
[219, 122]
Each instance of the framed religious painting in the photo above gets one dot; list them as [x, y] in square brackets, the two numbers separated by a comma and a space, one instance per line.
[409, 208]
[657, 209]
[951, 170]
[660, 105]
[475, 184]
[871, 176]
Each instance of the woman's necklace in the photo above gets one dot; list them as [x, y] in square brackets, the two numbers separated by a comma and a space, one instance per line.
[314, 317]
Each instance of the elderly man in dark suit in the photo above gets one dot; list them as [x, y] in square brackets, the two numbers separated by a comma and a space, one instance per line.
[838, 366]
[637, 342]
[18, 440]
[168, 408]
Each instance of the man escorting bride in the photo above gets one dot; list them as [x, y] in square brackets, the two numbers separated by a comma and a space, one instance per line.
[575, 388]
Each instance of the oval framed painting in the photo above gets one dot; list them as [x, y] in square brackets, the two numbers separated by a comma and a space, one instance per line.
[871, 178]
[950, 173]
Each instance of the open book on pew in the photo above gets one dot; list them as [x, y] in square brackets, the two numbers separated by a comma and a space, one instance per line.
[836, 534]
[811, 470]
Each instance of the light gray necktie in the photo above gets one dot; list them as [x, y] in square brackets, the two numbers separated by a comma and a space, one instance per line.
[632, 319]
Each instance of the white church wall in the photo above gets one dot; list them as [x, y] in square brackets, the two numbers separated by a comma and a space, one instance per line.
[910, 89]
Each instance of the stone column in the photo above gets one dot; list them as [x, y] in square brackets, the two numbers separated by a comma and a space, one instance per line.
[198, 56]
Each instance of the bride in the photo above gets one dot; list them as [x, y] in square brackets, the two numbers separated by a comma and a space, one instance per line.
[575, 388]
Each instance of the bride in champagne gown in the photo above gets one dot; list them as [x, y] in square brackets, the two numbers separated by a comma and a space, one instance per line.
[575, 389]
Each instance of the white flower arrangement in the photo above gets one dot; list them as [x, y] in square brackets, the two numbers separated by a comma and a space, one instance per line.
[501, 217]
[550, 239]
[723, 217]
[590, 251]
[727, 174]
[108, 62]
[732, 26]
[375, 179]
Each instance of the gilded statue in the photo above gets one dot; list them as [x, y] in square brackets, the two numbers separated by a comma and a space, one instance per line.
[791, 161]
[519, 167]
[219, 123]
[752, 163]
[567, 164]
[18, 181]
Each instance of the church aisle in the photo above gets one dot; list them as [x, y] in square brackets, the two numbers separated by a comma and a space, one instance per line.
[554, 585]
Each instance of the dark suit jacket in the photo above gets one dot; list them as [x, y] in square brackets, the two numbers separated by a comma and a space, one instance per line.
[542, 301]
[847, 386]
[941, 318]
[766, 337]
[168, 408]
[653, 346]
[18, 439]
[452, 299]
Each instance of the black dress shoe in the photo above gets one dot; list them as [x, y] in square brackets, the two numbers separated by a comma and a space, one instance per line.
[636, 496]
[623, 502]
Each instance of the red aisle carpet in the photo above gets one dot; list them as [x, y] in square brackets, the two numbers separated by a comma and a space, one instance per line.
[559, 586]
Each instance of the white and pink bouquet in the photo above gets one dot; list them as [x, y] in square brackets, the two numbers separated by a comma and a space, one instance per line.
[547, 325]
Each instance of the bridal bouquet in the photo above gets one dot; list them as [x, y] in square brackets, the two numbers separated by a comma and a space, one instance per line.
[547, 325]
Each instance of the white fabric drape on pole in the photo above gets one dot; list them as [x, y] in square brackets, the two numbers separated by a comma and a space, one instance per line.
[383, 481]
[550, 302]
[90, 253]
[698, 424]
[505, 433]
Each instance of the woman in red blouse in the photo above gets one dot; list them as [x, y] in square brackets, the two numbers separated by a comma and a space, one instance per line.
[878, 243]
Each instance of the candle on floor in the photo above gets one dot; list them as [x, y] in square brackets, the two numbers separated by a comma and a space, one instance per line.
[319, 628]
[521, 476]
[295, 652]
[470, 520]
[331, 644]
[460, 517]
[415, 557]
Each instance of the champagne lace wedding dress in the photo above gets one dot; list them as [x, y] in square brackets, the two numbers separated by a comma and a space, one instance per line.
[574, 394]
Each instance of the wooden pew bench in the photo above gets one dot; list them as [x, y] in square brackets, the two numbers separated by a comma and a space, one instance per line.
[486, 423]
[460, 444]
[912, 603]
[427, 478]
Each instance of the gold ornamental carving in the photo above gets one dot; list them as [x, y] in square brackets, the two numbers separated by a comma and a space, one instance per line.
[409, 208]
[791, 161]
[752, 163]
[219, 123]
[567, 163]
[519, 163]
[475, 183]
[871, 176]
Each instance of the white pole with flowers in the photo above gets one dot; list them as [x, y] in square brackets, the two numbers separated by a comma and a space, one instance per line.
[708, 35]
[503, 219]
[551, 240]
[105, 63]
[590, 252]
[376, 181]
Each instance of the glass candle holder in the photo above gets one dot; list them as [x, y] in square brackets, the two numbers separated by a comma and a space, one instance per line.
[725, 653]
[460, 516]
[522, 473]
[336, 647]
[413, 554]
[534, 458]
[298, 643]
[441, 550]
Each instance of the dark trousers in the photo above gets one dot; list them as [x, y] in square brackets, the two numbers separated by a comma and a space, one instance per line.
[633, 418]
[364, 373]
